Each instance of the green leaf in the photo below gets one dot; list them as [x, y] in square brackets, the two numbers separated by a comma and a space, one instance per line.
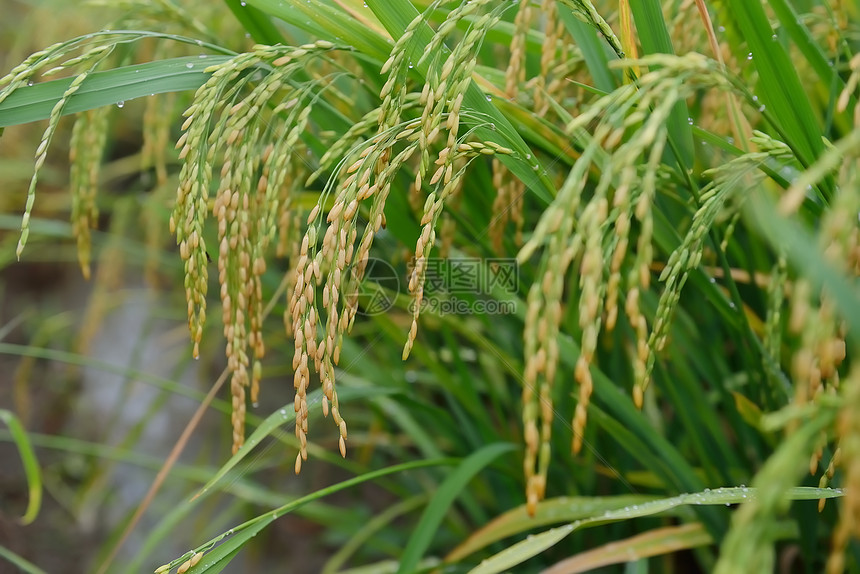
[217, 557]
[277, 419]
[778, 87]
[31, 464]
[654, 542]
[256, 22]
[534, 545]
[593, 51]
[806, 44]
[522, 551]
[107, 88]
[655, 39]
[23, 565]
[552, 511]
[326, 23]
[438, 506]
[801, 248]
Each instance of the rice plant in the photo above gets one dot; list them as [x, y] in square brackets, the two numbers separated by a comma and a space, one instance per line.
[559, 264]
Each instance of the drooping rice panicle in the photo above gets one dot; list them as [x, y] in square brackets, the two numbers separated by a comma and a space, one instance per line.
[246, 204]
[95, 56]
[85, 155]
[454, 80]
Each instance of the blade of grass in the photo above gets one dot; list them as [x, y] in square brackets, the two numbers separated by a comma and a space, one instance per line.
[654, 542]
[80, 360]
[31, 465]
[275, 421]
[377, 523]
[800, 247]
[23, 565]
[107, 88]
[534, 545]
[255, 22]
[654, 36]
[438, 506]
[164, 470]
[327, 23]
[551, 511]
[811, 50]
[594, 51]
[214, 559]
[779, 87]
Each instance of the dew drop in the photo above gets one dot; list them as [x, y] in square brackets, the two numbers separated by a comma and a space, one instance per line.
[255, 404]
[411, 65]
[189, 65]
[761, 108]
[243, 3]
[731, 140]
[201, 56]
[489, 98]
[29, 82]
[721, 29]
[690, 121]
[773, 38]
[749, 56]
[528, 156]
[120, 104]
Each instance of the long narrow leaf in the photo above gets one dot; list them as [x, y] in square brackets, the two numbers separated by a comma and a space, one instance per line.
[107, 88]
[279, 418]
[23, 565]
[31, 465]
[655, 39]
[533, 545]
[779, 87]
[217, 556]
[652, 543]
[552, 511]
[438, 506]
